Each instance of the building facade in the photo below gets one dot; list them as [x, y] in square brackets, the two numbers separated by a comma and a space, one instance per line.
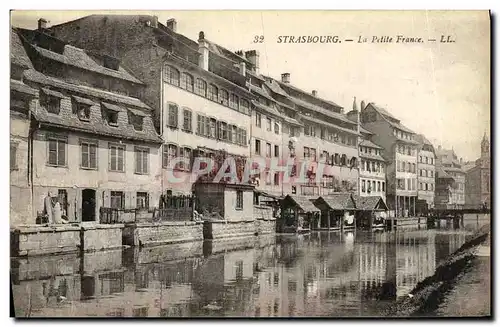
[93, 143]
[400, 154]
[450, 183]
[477, 179]
[199, 87]
[324, 134]
[426, 169]
[22, 102]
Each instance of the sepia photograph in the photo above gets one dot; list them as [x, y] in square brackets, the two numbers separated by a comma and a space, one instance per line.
[250, 164]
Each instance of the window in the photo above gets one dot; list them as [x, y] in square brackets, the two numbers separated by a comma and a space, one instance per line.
[363, 185]
[239, 199]
[57, 152]
[173, 115]
[426, 186]
[343, 160]
[413, 168]
[420, 186]
[231, 133]
[432, 173]
[141, 160]
[245, 106]
[186, 153]
[188, 120]
[213, 93]
[222, 131]
[400, 184]
[13, 155]
[169, 153]
[378, 167]
[258, 119]
[117, 200]
[234, 101]
[200, 124]
[268, 149]
[136, 121]
[403, 166]
[116, 158]
[201, 87]
[112, 117]
[276, 128]
[142, 200]
[82, 111]
[89, 155]
[426, 160]
[276, 151]
[187, 82]
[269, 123]
[243, 137]
[257, 146]
[211, 127]
[224, 97]
[383, 186]
[276, 178]
[172, 75]
[307, 154]
[51, 103]
[378, 186]
[294, 189]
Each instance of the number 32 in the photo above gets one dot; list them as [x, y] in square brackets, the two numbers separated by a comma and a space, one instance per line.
[258, 39]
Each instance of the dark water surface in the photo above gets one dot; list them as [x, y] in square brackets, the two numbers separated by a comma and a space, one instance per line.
[321, 274]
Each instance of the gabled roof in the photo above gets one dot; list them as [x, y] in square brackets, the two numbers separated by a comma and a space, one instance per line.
[393, 121]
[303, 203]
[18, 54]
[442, 174]
[340, 201]
[370, 203]
[76, 57]
[275, 87]
[288, 85]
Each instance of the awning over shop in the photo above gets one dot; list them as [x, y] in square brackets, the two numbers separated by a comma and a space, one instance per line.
[301, 202]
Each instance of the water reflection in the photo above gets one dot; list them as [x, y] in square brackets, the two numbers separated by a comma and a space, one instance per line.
[321, 274]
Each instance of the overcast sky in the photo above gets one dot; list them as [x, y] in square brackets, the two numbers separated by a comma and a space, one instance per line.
[439, 89]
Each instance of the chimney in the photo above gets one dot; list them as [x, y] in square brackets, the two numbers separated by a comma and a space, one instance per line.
[253, 57]
[314, 93]
[285, 78]
[362, 105]
[203, 50]
[243, 68]
[42, 24]
[172, 24]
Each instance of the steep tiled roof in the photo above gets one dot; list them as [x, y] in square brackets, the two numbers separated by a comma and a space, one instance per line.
[288, 85]
[22, 88]
[364, 130]
[323, 122]
[370, 144]
[370, 203]
[340, 201]
[275, 87]
[442, 174]
[18, 54]
[77, 57]
[321, 110]
[37, 77]
[371, 156]
[382, 111]
[304, 203]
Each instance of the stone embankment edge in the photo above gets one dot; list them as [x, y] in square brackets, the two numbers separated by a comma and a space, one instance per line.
[428, 293]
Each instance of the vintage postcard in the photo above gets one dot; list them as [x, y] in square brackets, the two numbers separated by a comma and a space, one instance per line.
[191, 164]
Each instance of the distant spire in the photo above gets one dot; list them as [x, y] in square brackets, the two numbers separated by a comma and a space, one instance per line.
[485, 137]
[354, 106]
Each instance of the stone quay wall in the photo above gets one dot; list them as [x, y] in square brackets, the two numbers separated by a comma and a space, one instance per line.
[150, 234]
[265, 226]
[216, 229]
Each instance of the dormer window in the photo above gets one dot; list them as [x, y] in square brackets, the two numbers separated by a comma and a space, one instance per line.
[136, 118]
[51, 100]
[111, 113]
[81, 107]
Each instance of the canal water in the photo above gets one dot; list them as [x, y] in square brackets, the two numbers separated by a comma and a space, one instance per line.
[320, 274]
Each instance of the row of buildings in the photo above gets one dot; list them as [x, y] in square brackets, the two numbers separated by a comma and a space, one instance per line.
[101, 105]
